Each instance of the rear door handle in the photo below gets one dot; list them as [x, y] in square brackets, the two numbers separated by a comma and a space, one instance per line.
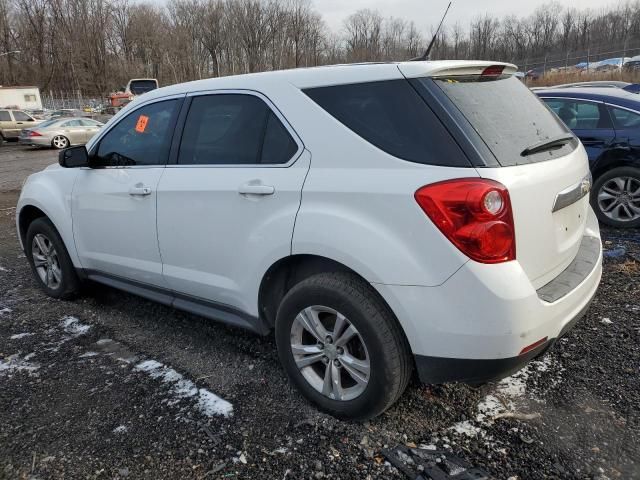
[591, 141]
[140, 191]
[256, 189]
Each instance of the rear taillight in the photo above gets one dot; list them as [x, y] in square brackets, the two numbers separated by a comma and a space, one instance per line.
[34, 134]
[474, 214]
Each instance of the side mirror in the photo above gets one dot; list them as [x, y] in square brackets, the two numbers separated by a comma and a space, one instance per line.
[74, 157]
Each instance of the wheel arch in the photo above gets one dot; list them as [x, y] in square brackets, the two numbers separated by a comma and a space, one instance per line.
[285, 273]
[609, 163]
[26, 216]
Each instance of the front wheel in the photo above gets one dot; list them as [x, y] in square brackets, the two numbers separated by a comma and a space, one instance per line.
[341, 346]
[52, 268]
[616, 197]
[60, 142]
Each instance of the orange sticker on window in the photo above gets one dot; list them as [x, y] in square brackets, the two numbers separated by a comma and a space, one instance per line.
[142, 123]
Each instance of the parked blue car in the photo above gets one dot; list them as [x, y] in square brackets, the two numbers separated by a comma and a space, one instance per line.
[607, 121]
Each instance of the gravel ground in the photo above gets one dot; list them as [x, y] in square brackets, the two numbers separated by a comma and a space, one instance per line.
[113, 386]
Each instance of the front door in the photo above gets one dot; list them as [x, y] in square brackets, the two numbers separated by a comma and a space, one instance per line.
[227, 208]
[114, 203]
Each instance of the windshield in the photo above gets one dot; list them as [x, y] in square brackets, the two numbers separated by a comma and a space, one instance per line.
[138, 87]
[507, 116]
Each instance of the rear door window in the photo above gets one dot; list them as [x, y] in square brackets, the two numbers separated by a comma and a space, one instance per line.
[506, 115]
[580, 115]
[234, 129]
[392, 116]
[21, 116]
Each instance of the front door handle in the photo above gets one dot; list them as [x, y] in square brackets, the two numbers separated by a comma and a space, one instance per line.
[140, 191]
[256, 189]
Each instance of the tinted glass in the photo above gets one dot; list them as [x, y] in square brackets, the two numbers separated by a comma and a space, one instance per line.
[21, 116]
[624, 118]
[142, 138]
[507, 116]
[231, 129]
[278, 145]
[579, 115]
[4, 116]
[142, 86]
[393, 117]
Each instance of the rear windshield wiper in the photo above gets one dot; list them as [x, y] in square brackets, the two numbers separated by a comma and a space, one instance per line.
[547, 144]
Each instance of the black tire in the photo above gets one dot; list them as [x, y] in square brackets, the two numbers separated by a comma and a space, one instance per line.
[69, 284]
[389, 352]
[629, 172]
[1, 140]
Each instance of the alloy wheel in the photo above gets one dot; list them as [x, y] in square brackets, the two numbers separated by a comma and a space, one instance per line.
[619, 199]
[330, 353]
[45, 261]
[60, 142]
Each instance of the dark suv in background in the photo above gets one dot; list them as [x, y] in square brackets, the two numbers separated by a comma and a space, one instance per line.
[607, 121]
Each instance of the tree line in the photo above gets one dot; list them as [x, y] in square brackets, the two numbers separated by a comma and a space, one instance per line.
[95, 46]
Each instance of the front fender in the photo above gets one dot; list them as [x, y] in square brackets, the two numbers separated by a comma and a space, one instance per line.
[50, 191]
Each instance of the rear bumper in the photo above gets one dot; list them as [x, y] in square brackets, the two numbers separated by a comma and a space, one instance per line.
[432, 370]
[473, 327]
[39, 141]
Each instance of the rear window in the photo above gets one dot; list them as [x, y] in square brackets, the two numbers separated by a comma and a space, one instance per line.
[507, 116]
[392, 116]
[138, 87]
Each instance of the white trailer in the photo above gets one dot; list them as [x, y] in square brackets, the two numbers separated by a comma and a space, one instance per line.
[21, 98]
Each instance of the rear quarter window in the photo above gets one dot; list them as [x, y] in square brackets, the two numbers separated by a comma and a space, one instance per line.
[392, 116]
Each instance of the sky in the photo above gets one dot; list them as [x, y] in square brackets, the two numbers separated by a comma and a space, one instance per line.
[426, 13]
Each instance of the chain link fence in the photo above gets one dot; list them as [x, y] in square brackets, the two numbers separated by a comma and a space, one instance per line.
[58, 100]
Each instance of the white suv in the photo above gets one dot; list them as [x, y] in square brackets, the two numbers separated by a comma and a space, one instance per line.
[380, 218]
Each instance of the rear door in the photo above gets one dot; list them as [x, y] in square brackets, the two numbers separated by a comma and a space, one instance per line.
[589, 120]
[227, 207]
[512, 123]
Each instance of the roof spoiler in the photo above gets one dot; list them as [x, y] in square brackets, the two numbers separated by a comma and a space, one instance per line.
[456, 68]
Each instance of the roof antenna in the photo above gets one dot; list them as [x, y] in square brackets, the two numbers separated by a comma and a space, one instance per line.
[425, 56]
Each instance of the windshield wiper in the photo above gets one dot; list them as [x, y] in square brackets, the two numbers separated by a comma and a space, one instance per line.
[547, 144]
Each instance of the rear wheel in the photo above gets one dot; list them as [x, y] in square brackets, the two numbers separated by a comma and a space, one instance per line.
[52, 268]
[341, 346]
[60, 142]
[616, 197]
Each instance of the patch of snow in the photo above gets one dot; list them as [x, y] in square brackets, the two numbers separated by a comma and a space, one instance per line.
[2, 269]
[15, 363]
[89, 354]
[207, 402]
[606, 321]
[5, 310]
[30, 356]
[73, 326]
[503, 399]
[467, 428]
[120, 429]
[20, 335]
